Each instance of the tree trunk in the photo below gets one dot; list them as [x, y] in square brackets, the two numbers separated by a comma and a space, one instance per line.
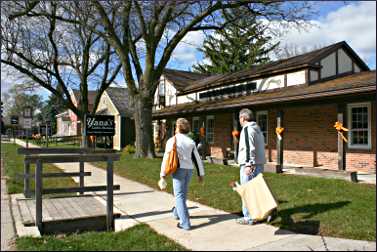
[143, 126]
[84, 138]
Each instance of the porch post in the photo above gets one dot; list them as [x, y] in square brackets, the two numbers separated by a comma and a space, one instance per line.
[235, 140]
[279, 143]
[341, 146]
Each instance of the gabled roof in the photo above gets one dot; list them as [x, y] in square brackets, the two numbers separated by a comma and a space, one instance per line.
[180, 78]
[119, 97]
[91, 96]
[358, 83]
[293, 63]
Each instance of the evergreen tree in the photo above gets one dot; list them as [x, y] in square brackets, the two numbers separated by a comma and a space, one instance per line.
[238, 46]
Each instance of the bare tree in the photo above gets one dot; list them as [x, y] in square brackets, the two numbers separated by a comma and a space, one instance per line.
[157, 27]
[291, 50]
[57, 55]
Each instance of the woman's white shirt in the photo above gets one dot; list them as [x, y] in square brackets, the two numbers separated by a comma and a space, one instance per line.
[185, 147]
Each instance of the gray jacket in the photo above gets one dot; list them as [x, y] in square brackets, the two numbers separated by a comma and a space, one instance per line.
[256, 142]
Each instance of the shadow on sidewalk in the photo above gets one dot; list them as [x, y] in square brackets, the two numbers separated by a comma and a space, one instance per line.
[213, 219]
[153, 213]
[303, 225]
[125, 193]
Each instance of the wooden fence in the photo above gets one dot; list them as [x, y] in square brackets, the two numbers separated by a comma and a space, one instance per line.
[39, 156]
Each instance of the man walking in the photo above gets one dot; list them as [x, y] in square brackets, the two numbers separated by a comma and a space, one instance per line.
[251, 155]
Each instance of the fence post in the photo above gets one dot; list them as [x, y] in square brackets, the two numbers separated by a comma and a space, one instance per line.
[109, 206]
[81, 176]
[27, 179]
[38, 196]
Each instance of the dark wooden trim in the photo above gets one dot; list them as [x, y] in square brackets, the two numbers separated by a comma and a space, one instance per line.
[324, 95]
[279, 144]
[341, 145]
[27, 192]
[65, 174]
[334, 77]
[78, 189]
[235, 140]
[250, 78]
[337, 63]
[28, 151]
[46, 158]
[81, 176]
[285, 80]
[38, 195]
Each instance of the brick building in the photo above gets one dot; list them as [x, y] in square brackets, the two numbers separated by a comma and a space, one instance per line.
[307, 94]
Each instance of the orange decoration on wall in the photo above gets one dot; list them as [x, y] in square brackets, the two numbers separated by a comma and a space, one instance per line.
[235, 133]
[279, 130]
[202, 131]
[339, 127]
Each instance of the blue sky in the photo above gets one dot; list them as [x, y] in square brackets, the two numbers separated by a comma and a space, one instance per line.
[353, 21]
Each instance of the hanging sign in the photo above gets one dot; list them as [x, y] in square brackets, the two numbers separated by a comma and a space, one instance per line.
[27, 123]
[100, 125]
[14, 120]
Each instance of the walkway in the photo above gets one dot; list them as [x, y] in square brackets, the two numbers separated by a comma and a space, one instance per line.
[8, 232]
[212, 229]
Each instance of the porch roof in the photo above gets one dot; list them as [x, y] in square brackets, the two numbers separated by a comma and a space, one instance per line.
[363, 82]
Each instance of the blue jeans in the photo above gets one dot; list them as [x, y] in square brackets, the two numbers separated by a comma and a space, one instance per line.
[244, 179]
[181, 180]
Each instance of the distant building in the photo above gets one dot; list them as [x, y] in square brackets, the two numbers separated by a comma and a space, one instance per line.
[114, 101]
[67, 122]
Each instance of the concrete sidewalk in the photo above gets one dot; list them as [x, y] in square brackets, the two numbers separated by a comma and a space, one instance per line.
[212, 229]
[8, 232]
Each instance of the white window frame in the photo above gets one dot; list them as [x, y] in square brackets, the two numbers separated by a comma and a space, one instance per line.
[349, 115]
[263, 112]
[196, 118]
[210, 117]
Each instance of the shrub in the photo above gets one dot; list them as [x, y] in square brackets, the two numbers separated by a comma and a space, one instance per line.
[130, 149]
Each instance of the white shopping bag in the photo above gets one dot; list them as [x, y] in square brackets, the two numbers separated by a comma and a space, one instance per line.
[257, 198]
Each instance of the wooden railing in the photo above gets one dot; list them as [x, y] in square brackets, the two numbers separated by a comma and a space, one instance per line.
[39, 156]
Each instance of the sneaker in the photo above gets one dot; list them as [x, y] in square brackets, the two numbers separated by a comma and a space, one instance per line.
[243, 221]
[180, 227]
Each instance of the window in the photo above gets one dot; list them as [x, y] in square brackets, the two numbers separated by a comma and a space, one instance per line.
[195, 125]
[238, 90]
[359, 125]
[161, 88]
[210, 130]
[262, 121]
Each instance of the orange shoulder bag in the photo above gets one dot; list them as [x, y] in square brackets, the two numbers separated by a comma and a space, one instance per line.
[172, 162]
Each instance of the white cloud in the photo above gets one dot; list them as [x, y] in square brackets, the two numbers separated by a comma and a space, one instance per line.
[354, 23]
[186, 51]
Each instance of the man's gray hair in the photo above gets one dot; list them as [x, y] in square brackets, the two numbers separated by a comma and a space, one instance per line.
[247, 114]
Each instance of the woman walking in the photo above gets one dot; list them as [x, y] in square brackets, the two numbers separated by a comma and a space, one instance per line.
[187, 154]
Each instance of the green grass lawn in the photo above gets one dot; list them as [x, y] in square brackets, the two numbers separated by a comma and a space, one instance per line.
[310, 205]
[14, 164]
[137, 238]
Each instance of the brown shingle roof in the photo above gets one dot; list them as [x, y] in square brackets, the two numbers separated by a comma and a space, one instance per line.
[181, 79]
[119, 97]
[296, 62]
[356, 83]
